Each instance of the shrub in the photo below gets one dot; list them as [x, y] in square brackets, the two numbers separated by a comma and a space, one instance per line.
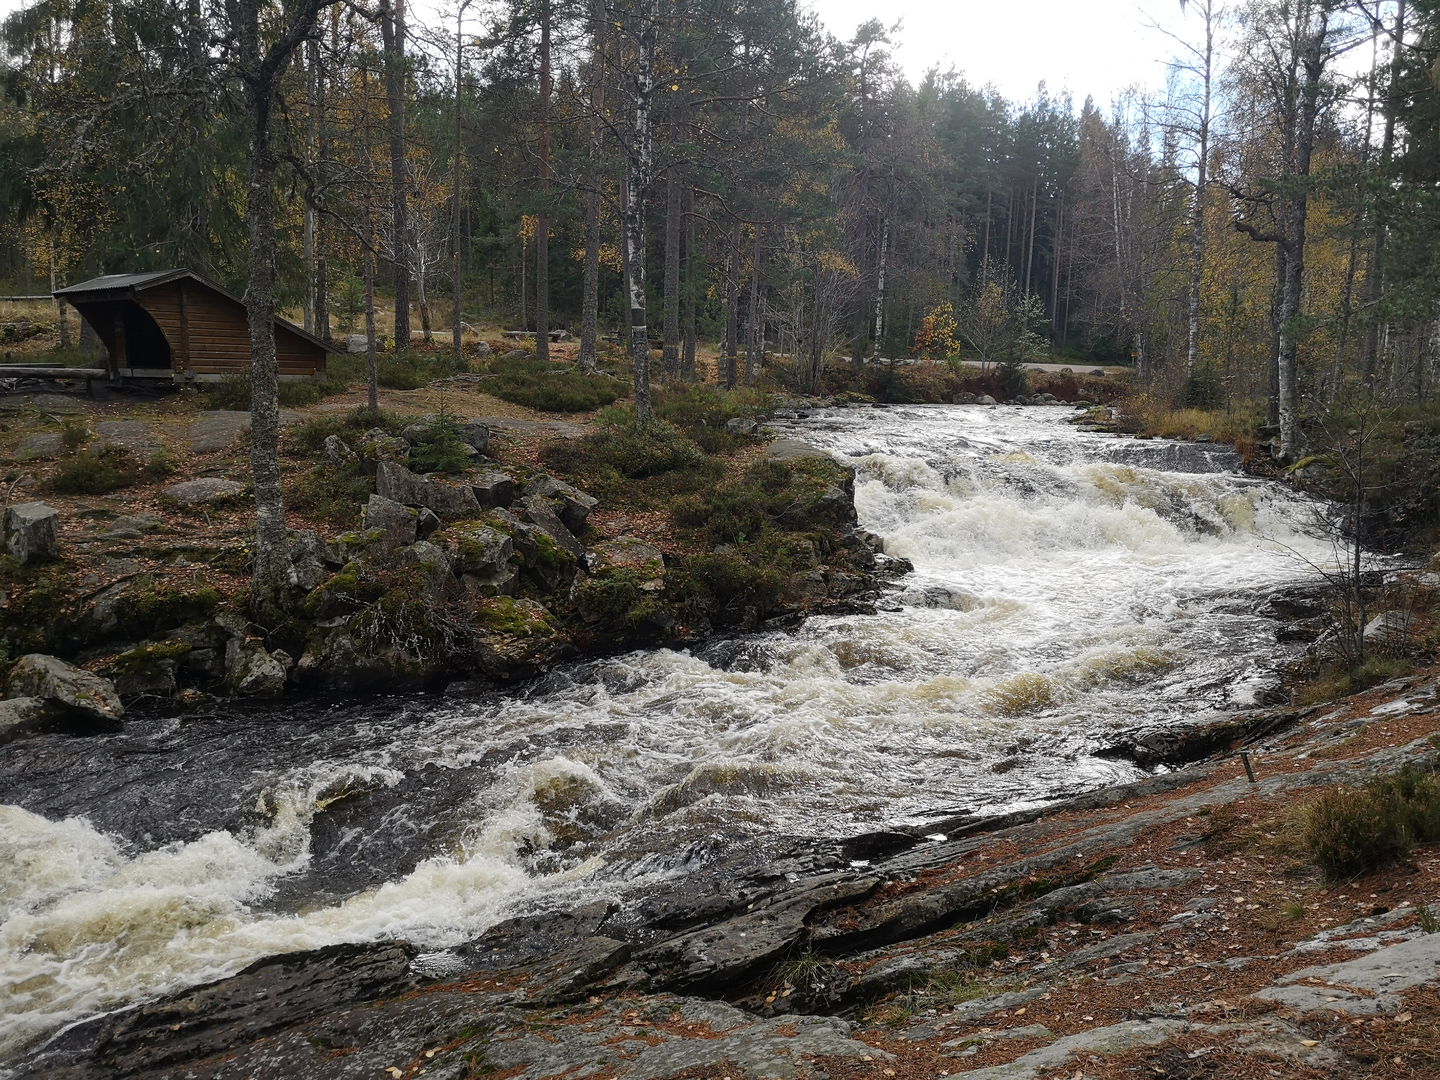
[96, 472]
[728, 585]
[74, 433]
[331, 495]
[441, 449]
[767, 495]
[310, 435]
[398, 375]
[702, 411]
[233, 392]
[537, 384]
[414, 368]
[1348, 831]
[622, 448]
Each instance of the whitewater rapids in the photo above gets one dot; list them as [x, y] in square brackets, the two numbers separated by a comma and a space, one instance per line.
[1067, 585]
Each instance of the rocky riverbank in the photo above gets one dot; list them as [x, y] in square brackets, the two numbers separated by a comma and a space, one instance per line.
[1165, 928]
[464, 566]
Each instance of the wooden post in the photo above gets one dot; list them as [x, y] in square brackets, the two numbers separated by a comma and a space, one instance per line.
[184, 357]
[121, 358]
[1249, 769]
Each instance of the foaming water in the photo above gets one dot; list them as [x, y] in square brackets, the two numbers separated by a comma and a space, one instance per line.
[1066, 586]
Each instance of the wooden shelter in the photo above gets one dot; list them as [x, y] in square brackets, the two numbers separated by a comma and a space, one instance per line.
[176, 325]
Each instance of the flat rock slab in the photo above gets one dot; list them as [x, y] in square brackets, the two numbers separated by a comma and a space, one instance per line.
[207, 489]
[1367, 984]
[136, 436]
[1115, 1039]
[50, 403]
[795, 450]
[509, 425]
[219, 429]
[47, 444]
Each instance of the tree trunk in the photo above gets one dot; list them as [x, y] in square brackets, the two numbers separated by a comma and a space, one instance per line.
[457, 169]
[590, 295]
[730, 347]
[1296, 214]
[1375, 274]
[755, 329]
[392, 31]
[688, 286]
[372, 363]
[273, 574]
[542, 224]
[880, 267]
[1197, 211]
[672, 273]
[62, 316]
[638, 183]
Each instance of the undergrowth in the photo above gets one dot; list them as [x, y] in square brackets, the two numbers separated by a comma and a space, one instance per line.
[537, 384]
[1348, 831]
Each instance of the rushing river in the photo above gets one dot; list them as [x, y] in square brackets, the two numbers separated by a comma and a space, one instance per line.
[1067, 585]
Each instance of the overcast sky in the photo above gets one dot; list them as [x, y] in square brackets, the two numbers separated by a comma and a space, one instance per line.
[1094, 47]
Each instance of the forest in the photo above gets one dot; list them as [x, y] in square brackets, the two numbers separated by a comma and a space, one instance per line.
[1261, 231]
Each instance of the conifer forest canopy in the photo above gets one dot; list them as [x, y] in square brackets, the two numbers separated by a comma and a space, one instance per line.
[731, 173]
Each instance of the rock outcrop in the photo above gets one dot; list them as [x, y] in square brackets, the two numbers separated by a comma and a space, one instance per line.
[64, 689]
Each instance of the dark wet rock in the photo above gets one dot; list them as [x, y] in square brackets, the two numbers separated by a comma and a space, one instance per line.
[252, 671]
[338, 659]
[21, 716]
[720, 956]
[159, 681]
[1153, 747]
[206, 491]
[65, 688]
[267, 997]
[528, 939]
[32, 532]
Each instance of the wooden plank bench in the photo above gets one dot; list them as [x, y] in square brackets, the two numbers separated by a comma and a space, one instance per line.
[60, 374]
[555, 335]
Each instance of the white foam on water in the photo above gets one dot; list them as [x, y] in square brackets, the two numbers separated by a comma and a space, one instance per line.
[1059, 594]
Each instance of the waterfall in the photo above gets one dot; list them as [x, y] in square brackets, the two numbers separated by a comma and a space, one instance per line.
[1067, 585]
